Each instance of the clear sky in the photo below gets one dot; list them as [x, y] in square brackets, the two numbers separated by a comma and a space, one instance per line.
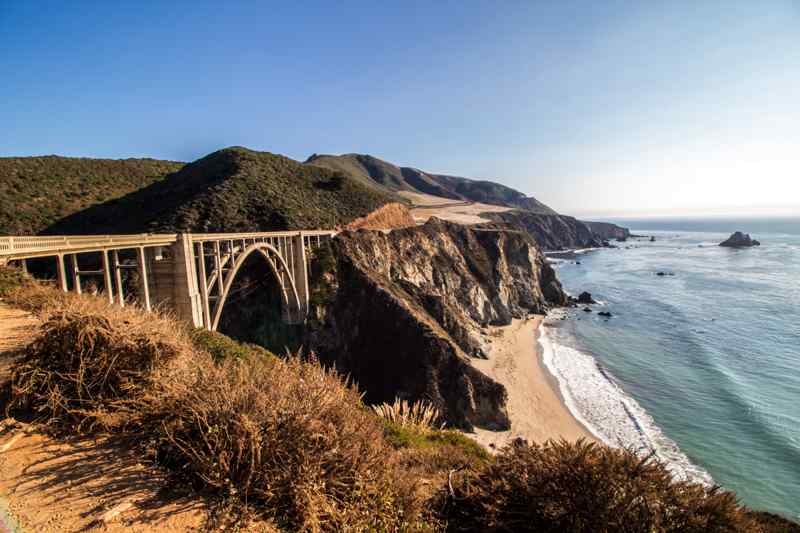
[593, 107]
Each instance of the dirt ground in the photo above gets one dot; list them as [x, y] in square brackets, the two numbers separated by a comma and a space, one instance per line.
[425, 206]
[57, 485]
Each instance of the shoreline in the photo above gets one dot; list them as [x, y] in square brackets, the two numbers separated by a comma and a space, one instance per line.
[536, 406]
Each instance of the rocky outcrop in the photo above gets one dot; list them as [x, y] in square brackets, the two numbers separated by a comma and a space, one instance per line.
[740, 240]
[390, 216]
[551, 232]
[607, 231]
[408, 308]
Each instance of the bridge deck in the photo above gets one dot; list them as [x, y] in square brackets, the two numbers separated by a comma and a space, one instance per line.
[28, 247]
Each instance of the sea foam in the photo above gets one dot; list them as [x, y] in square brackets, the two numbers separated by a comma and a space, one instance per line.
[595, 398]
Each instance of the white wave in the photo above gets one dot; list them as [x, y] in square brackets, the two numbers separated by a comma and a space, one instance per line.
[599, 403]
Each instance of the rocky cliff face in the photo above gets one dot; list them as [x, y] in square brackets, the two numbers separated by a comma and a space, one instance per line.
[551, 232]
[407, 308]
[608, 231]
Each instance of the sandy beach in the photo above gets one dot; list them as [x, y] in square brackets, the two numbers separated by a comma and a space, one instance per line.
[535, 406]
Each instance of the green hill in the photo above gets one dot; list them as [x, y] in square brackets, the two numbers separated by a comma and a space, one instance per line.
[35, 192]
[380, 174]
[489, 192]
[234, 189]
[372, 171]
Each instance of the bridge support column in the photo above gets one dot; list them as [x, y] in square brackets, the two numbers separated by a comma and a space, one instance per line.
[186, 301]
[299, 268]
[144, 283]
[62, 272]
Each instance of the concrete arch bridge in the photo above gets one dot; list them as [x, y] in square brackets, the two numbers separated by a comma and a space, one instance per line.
[188, 273]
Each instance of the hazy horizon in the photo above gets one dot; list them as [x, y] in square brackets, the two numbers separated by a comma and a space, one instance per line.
[619, 109]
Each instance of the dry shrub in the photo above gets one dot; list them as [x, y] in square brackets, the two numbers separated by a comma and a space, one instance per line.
[583, 487]
[91, 363]
[289, 437]
[420, 415]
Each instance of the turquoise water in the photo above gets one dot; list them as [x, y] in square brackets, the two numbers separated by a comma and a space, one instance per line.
[704, 365]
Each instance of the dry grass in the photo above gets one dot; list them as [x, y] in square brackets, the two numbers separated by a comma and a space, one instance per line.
[293, 442]
[289, 437]
[284, 438]
[584, 487]
[420, 415]
[91, 363]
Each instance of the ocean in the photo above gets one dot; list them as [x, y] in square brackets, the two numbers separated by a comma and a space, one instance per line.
[701, 365]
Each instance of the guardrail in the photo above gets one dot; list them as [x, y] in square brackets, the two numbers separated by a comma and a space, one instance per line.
[25, 247]
[251, 235]
[28, 247]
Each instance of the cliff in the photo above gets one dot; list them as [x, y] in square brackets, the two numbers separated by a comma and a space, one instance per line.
[551, 232]
[608, 231]
[406, 310]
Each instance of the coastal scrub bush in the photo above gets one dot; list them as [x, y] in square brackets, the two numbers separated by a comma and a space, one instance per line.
[11, 279]
[91, 362]
[289, 437]
[584, 487]
[221, 346]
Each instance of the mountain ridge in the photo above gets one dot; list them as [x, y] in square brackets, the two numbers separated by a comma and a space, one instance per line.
[412, 179]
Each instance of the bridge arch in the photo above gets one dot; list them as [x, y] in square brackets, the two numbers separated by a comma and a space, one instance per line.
[290, 298]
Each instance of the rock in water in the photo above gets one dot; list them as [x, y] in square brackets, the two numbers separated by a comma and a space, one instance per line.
[740, 240]
[585, 298]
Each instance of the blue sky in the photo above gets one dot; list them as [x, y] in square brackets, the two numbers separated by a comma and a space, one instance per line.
[593, 107]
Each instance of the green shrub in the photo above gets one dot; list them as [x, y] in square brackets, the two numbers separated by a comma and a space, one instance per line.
[584, 487]
[12, 279]
[222, 347]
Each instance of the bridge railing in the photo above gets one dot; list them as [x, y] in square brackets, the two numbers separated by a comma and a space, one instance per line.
[206, 237]
[23, 247]
[27, 247]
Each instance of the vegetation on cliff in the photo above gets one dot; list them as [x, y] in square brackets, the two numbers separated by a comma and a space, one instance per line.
[35, 192]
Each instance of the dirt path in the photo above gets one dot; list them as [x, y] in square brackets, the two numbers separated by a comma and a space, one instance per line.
[57, 485]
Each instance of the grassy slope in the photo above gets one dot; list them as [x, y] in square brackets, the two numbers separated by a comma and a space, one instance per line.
[234, 189]
[37, 191]
[371, 169]
[489, 192]
[381, 174]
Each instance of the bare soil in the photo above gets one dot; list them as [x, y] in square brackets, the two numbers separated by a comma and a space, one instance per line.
[49, 484]
[425, 206]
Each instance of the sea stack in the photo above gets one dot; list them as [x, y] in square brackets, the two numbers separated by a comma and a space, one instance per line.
[740, 240]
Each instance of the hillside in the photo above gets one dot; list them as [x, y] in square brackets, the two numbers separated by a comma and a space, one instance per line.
[489, 192]
[234, 189]
[367, 168]
[381, 174]
[35, 192]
